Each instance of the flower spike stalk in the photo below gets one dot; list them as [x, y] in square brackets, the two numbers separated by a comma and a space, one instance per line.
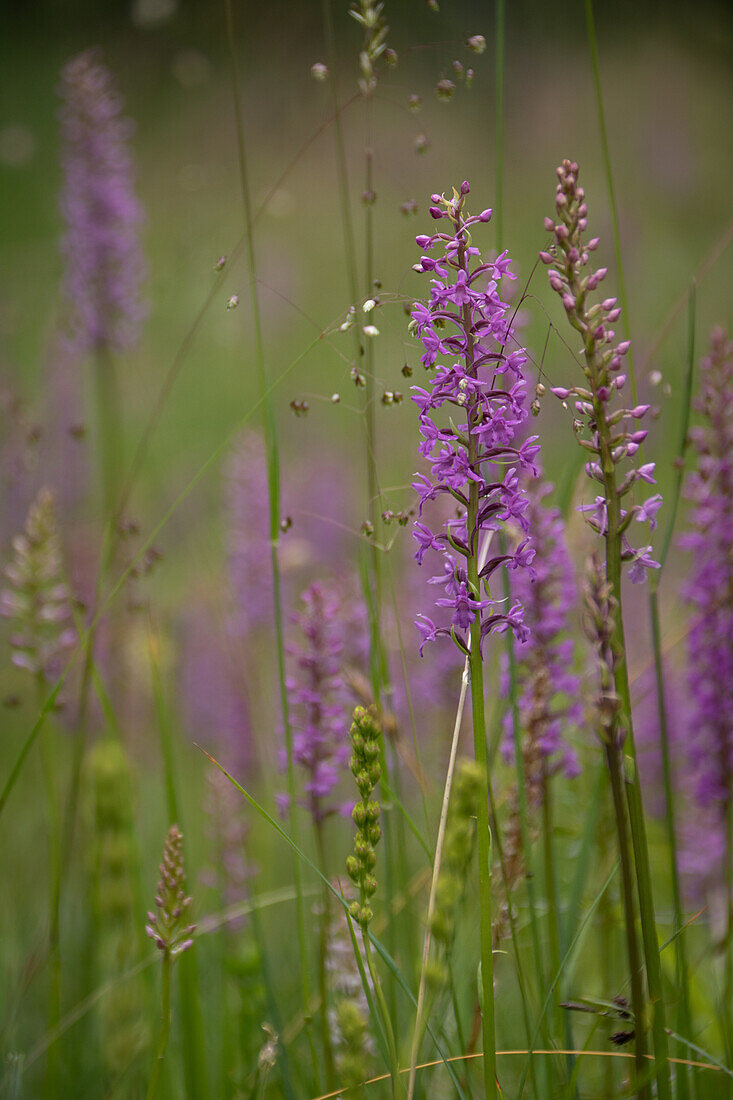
[478, 464]
[609, 433]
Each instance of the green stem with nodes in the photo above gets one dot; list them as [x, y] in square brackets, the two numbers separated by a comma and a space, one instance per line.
[165, 1028]
[273, 486]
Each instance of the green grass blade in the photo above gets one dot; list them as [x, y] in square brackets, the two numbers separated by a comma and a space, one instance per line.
[563, 965]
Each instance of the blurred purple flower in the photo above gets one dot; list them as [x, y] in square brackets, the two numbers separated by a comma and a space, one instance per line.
[319, 696]
[548, 689]
[709, 587]
[248, 536]
[227, 830]
[316, 510]
[215, 704]
[701, 833]
[104, 264]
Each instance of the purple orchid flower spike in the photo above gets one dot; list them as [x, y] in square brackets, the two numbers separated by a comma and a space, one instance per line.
[467, 322]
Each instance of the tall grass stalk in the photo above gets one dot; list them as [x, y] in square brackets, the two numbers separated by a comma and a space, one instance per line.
[593, 45]
[613, 573]
[499, 35]
[372, 580]
[273, 485]
[685, 1079]
[498, 217]
[545, 1067]
[400, 931]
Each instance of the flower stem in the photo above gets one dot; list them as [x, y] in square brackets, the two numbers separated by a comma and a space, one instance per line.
[488, 1026]
[165, 1028]
[484, 843]
[615, 771]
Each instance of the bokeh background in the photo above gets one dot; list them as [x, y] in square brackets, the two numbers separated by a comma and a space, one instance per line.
[667, 83]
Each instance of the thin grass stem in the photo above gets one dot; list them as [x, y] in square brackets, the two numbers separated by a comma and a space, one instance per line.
[593, 44]
[418, 1030]
[615, 771]
[48, 766]
[273, 484]
[499, 124]
[165, 1028]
